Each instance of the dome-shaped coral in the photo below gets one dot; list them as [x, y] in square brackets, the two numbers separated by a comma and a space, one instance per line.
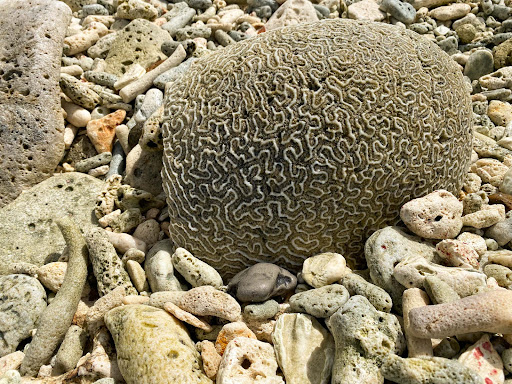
[307, 139]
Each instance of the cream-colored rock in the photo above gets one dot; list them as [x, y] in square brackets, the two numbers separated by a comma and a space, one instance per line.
[292, 12]
[450, 12]
[456, 253]
[502, 256]
[434, 216]
[485, 312]
[80, 315]
[153, 347]
[211, 359]
[85, 39]
[99, 171]
[73, 70]
[472, 183]
[366, 10]
[262, 329]
[137, 275]
[324, 269]
[187, 317]
[69, 135]
[490, 171]
[135, 299]
[123, 242]
[486, 217]
[148, 231]
[96, 313]
[482, 358]
[416, 347]
[304, 349]
[473, 240]
[51, 275]
[208, 301]
[229, 332]
[248, 361]
[76, 115]
[134, 72]
[195, 271]
[122, 132]
[500, 112]
[11, 361]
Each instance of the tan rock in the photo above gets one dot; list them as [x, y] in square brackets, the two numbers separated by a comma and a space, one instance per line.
[417, 347]
[211, 359]
[137, 276]
[229, 332]
[450, 12]
[85, 39]
[324, 269]
[457, 253]
[208, 301]
[366, 10]
[114, 298]
[51, 275]
[102, 131]
[486, 217]
[500, 112]
[11, 361]
[76, 115]
[187, 317]
[290, 13]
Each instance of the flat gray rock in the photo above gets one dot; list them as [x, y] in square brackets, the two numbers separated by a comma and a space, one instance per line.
[22, 299]
[31, 123]
[27, 229]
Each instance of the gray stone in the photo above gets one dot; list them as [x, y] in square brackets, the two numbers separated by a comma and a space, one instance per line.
[431, 370]
[101, 78]
[400, 10]
[439, 291]
[447, 348]
[261, 311]
[106, 264]
[153, 347]
[261, 282]
[139, 42]
[31, 123]
[118, 162]
[190, 32]
[502, 231]
[78, 92]
[199, 4]
[178, 18]
[169, 47]
[159, 269]
[93, 162]
[71, 349]
[506, 356]
[386, 248]
[102, 46]
[152, 101]
[479, 63]
[94, 9]
[363, 337]
[378, 297]
[304, 349]
[143, 170]
[136, 9]
[22, 299]
[320, 302]
[27, 229]
[173, 74]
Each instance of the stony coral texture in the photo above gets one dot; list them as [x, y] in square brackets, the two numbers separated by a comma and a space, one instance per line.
[307, 139]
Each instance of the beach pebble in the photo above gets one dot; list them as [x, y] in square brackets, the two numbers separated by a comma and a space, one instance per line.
[95, 314]
[69, 135]
[247, 361]
[137, 276]
[434, 216]
[400, 10]
[173, 358]
[473, 240]
[148, 232]
[483, 359]
[475, 313]
[439, 291]
[208, 301]
[357, 285]
[159, 268]
[83, 40]
[457, 253]
[187, 317]
[123, 242]
[75, 114]
[490, 171]
[11, 377]
[195, 271]
[86, 165]
[506, 357]
[384, 249]
[447, 348]
[366, 10]
[320, 302]
[290, 13]
[450, 12]
[324, 269]
[102, 131]
[416, 347]
[261, 311]
[229, 332]
[23, 299]
[502, 231]
[357, 358]
[434, 370]
[500, 112]
[261, 282]
[135, 255]
[143, 169]
[312, 362]
[78, 92]
[136, 9]
[486, 217]
[500, 273]
[211, 359]
[51, 275]
[135, 299]
[479, 63]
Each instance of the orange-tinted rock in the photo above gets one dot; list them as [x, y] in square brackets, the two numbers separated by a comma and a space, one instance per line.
[102, 131]
[229, 332]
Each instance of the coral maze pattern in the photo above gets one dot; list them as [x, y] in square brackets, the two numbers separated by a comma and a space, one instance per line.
[309, 138]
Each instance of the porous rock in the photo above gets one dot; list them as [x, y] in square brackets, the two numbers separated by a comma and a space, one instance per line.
[321, 302]
[27, 229]
[31, 123]
[173, 359]
[294, 122]
[311, 363]
[22, 299]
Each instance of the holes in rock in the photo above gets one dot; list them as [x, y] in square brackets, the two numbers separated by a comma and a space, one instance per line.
[59, 186]
[438, 218]
[246, 364]
[173, 354]
[46, 76]
[25, 92]
[69, 189]
[25, 146]
[32, 227]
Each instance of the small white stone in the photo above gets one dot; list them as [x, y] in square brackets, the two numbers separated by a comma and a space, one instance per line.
[324, 269]
[491, 171]
[76, 115]
[487, 216]
[434, 216]
[475, 241]
[292, 12]
[195, 271]
[506, 184]
[482, 358]
[108, 219]
[123, 242]
[472, 183]
[248, 361]
[69, 135]
[99, 171]
[457, 253]
[73, 70]
[51, 275]
[450, 12]
[134, 72]
[366, 10]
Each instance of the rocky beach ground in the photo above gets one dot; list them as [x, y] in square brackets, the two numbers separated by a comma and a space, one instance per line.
[93, 291]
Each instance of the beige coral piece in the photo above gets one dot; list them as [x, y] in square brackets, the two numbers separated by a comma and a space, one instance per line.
[229, 332]
[51, 275]
[482, 358]
[186, 317]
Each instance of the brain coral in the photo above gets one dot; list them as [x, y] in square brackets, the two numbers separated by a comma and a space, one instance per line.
[307, 139]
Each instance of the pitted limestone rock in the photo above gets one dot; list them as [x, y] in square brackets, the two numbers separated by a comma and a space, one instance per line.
[27, 225]
[31, 124]
[295, 119]
[173, 359]
[363, 338]
[320, 302]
